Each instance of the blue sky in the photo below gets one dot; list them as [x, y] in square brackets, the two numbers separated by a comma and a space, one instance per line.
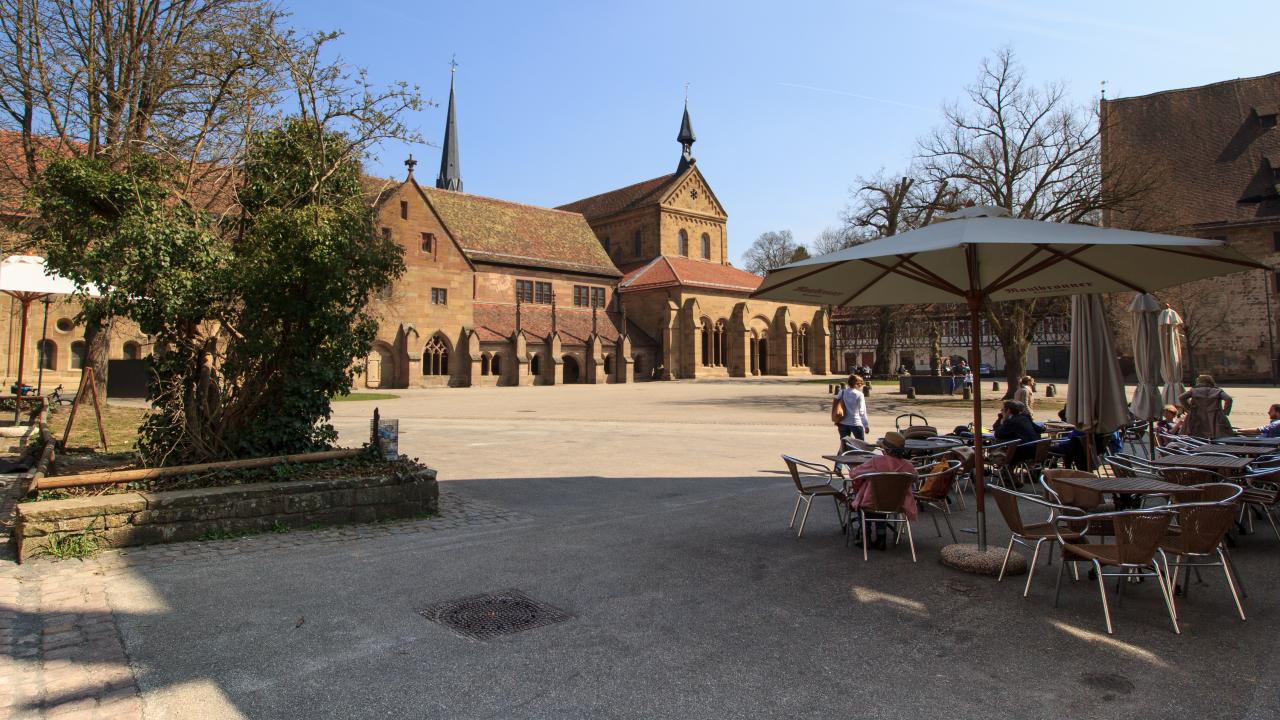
[791, 102]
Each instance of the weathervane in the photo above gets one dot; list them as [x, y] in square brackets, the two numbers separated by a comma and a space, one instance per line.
[453, 63]
[410, 163]
[686, 93]
[1104, 89]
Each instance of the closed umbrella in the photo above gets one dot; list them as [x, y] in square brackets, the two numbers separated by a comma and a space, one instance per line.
[1170, 323]
[1095, 398]
[980, 255]
[1147, 403]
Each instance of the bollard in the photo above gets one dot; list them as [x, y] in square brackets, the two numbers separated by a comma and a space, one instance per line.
[995, 387]
[866, 389]
[831, 389]
[911, 393]
[968, 394]
[1050, 390]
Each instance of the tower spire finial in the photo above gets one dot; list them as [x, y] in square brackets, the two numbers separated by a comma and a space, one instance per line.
[450, 177]
[686, 138]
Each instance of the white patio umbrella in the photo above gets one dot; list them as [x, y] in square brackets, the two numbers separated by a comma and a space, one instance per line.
[1170, 323]
[980, 255]
[1095, 395]
[25, 278]
[1146, 357]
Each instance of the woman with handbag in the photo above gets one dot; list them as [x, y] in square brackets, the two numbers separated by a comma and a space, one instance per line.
[849, 412]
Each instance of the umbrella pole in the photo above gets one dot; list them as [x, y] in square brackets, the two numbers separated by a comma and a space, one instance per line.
[975, 364]
[40, 349]
[22, 356]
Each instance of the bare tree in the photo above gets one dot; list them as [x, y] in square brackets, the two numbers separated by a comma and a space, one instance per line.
[1031, 151]
[882, 208]
[770, 251]
[832, 239]
[1206, 312]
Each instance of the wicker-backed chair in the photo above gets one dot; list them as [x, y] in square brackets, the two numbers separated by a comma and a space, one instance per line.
[916, 432]
[964, 479]
[888, 498]
[805, 476]
[1189, 476]
[1138, 534]
[911, 420]
[1202, 526]
[1082, 499]
[934, 490]
[1262, 493]
[997, 458]
[853, 444]
[1032, 463]
[1031, 535]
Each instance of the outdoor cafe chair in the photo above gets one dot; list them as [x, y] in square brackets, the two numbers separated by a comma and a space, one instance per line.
[887, 498]
[1031, 467]
[996, 458]
[934, 489]
[964, 478]
[911, 420]
[1128, 466]
[1132, 435]
[919, 431]
[804, 474]
[1138, 535]
[853, 444]
[1262, 493]
[1082, 499]
[1031, 535]
[1202, 526]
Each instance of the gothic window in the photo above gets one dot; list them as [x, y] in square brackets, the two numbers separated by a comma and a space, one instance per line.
[720, 345]
[484, 364]
[47, 355]
[534, 365]
[131, 351]
[77, 354]
[684, 244]
[524, 290]
[706, 246]
[435, 357]
[495, 365]
[802, 346]
[706, 344]
[637, 244]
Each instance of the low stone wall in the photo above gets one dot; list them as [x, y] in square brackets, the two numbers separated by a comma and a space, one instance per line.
[146, 518]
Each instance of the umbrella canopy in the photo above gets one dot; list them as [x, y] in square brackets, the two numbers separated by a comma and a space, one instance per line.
[980, 255]
[1146, 357]
[27, 275]
[1095, 400]
[1170, 323]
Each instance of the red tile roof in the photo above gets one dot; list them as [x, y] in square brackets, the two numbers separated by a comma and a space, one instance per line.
[496, 322]
[499, 231]
[630, 197]
[668, 271]
[13, 169]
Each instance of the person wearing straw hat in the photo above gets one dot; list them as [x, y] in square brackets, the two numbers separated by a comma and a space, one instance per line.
[893, 458]
[1170, 421]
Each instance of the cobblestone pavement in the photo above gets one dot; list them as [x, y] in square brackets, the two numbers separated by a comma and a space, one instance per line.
[61, 651]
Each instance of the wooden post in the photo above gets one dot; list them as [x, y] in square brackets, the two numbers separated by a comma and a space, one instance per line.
[86, 373]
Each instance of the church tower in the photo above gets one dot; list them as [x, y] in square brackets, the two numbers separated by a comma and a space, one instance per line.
[686, 138]
[450, 177]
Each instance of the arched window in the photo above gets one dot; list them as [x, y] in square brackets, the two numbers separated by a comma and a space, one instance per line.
[131, 351]
[47, 355]
[706, 246]
[608, 365]
[495, 365]
[77, 355]
[721, 344]
[484, 364]
[684, 244]
[706, 343]
[802, 346]
[534, 366]
[435, 357]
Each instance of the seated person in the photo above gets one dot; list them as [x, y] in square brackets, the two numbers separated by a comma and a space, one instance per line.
[1014, 423]
[1170, 421]
[1269, 430]
[893, 459]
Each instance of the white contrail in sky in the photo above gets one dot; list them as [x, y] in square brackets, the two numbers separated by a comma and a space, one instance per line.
[832, 91]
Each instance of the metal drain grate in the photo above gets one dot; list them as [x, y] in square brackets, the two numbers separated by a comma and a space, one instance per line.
[491, 615]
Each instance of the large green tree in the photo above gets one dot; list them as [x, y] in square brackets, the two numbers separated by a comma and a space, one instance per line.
[258, 315]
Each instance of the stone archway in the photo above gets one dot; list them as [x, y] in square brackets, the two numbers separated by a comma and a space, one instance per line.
[762, 356]
[571, 371]
[380, 367]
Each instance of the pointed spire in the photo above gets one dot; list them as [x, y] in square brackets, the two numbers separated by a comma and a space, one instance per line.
[686, 138]
[450, 177]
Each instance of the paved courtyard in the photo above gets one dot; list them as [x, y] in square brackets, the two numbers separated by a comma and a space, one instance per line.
[655, 516]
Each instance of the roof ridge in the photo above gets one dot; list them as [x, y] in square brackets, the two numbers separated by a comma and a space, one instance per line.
[635, 274]
[667, 176]
[499, 201]
[1192, 88]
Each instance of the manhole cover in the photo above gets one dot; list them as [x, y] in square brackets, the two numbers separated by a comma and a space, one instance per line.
[491, 615]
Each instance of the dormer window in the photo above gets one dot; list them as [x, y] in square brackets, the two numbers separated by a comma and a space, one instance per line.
[1263, 119]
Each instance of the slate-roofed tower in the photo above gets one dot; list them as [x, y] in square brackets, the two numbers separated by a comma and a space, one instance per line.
[686, 139]
[450, 177]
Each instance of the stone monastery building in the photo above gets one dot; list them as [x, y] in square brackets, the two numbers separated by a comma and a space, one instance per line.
[632, 284]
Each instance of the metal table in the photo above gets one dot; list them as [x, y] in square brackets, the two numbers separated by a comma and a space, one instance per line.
[1127, 490]
[1236, 449]
[1247, 440]
[1222, 465]
[848, 459]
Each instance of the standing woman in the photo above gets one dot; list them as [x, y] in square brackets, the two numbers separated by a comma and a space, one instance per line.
[1025, 393]
[1207, 409]
[849, 411]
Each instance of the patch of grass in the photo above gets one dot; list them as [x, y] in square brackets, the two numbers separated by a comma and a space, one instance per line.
[360, 396]
[80, 545]
[120, 422]
[216, 534]
[279, 526]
